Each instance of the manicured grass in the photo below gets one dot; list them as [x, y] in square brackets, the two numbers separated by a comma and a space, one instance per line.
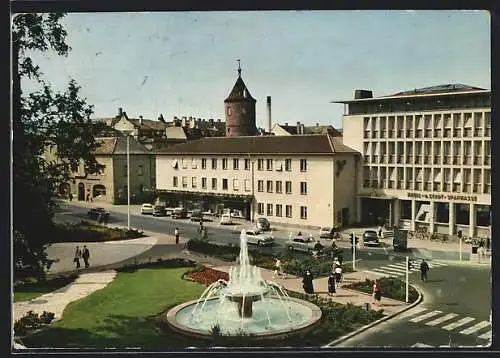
[32, 290]
[123, 314]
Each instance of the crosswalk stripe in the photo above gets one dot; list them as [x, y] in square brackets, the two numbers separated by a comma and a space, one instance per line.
[438, 264]
[397, 268]
[413, 312]
[425, 316]
[476, 327]
[486, 335]
[458, 323]
[387, 272]
[441, 319]
[375, 273]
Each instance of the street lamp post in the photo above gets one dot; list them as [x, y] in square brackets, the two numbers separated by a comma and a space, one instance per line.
[407, 278]
[128, 181]
[354, 252]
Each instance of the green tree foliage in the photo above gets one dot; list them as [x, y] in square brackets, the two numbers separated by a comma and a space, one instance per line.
[41, 119]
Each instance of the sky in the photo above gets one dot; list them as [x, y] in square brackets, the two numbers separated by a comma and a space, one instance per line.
[184, 63]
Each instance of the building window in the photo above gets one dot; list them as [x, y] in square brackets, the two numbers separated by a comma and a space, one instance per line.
[193, 182]
[203, 163]
[247, 164]
[288, 165]
[184, 163]
[125, 171]
[269, 209]
[236, 164]
[288, 187]
[224, 163]
[229, 111]
[214, 183]
[303, 188]
[175, 182]
[236, 185]
[247, 184]
[140, 170]
[279, 210]
[303, 212]
[260, 185]
[260, 164]
[260, 208]
[269, 164]
[214, 163]
[175, 164]
[193, 164]
[279, 186]
[203, 183]
[288, 211]
[269, 186]
[184, 182]
[303, 165]
[224, 184]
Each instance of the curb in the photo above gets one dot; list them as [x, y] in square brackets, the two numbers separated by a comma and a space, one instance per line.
[383, 319]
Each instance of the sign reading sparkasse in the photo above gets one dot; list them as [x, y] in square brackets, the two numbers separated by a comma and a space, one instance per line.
[417, 195]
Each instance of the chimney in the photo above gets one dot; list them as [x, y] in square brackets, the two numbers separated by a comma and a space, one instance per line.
[183, 123]
[359, 94]
[269, 123]
[302, 129]
[120, 112]
[317, 124]
[211, 121]
[140, 120]
[299, 128]
[161, 119]
[125, 114]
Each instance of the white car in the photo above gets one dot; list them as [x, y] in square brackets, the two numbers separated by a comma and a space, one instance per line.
[226, 219]
[304, 243]
[326, 232]
[260, 238]
[147, 209]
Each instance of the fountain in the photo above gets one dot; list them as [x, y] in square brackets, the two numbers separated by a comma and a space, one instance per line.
[245, 303]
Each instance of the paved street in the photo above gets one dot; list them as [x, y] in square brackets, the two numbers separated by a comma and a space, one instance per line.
[455, 311]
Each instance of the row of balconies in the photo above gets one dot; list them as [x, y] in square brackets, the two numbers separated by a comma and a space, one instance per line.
[429, 133]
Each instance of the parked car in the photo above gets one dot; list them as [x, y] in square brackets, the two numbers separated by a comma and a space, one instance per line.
[304, 243]
[159, 210]
[326, 232]
[260, 238]
[169, 211]
[147, 209]
[225, 219]
[95, 212]
[197, 215]
[179, 213]
[370, 237]
[263, 224]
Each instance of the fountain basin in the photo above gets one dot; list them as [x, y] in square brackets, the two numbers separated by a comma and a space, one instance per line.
[245, 303]
[303, 315]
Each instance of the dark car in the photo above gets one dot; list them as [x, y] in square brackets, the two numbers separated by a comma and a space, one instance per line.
[263, 224]
[197, 215]
[159, 210]
[94, 213]
[370, 237]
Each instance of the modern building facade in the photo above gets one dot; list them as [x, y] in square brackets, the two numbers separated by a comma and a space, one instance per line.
[426, 158]
[302, 180]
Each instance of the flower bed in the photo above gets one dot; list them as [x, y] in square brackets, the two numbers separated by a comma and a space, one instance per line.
[390, 287]
[207, 276]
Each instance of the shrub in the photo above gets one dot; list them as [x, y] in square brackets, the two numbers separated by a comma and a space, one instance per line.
[31, 321]
[390, 287]
[159, 263]
[85, 231]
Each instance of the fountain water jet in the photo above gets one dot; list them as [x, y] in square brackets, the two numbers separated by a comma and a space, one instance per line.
[245, 302]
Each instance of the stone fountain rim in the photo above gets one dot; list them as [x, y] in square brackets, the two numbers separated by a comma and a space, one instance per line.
[175, 325]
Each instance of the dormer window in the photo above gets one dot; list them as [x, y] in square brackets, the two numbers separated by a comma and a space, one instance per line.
[245, 94]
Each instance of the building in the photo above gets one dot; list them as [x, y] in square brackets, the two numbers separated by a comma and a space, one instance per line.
[111, 184]
[426, 158]
[304, 180]
[300, 128]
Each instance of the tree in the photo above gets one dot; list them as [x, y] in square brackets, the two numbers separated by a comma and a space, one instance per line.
[43, 118]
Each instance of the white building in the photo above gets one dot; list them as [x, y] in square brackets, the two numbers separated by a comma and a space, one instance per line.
[304, 180]
[426, 158]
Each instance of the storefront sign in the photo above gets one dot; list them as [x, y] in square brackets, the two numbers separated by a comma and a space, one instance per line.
[450, 197]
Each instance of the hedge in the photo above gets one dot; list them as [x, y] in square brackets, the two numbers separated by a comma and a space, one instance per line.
[85, 231]
[390, 287]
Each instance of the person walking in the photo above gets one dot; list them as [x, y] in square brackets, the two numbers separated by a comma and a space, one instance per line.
[331, 285]
[86, 256]
[78, 256]
[277, 268]
[424, 268]
[70, 197]
[307, 283]
[480, 251]
[377, 293]
[338, 274]
[176, 233]
[380, 232]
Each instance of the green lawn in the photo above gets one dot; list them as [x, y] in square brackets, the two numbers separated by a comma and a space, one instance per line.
[36, 289]
[122, 314]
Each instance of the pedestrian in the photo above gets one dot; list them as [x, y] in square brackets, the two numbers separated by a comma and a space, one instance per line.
[176, 233]
[78, 256]
[307, 283]
[331, 285]
[86, 256]
[338, 275]
[424, 268]
[87, 197]
[277, 268]
[334, 265]
[377, 293]
[70, 196]
[380, 232]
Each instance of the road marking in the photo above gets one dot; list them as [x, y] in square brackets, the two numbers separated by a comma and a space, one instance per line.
[476, 327]
[425, 316]
[442, 319]
[389, 270]
[458, 324]
[421, 345]
[397, 268]
[413, 312]
[437, 264]
[375, 273]
[486, 335]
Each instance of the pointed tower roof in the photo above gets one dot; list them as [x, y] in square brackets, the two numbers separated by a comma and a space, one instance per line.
[240, 91]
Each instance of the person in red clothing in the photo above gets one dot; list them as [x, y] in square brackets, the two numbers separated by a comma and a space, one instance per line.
[377, 293]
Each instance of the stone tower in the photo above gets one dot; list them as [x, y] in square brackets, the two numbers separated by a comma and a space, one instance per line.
[240, 110]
